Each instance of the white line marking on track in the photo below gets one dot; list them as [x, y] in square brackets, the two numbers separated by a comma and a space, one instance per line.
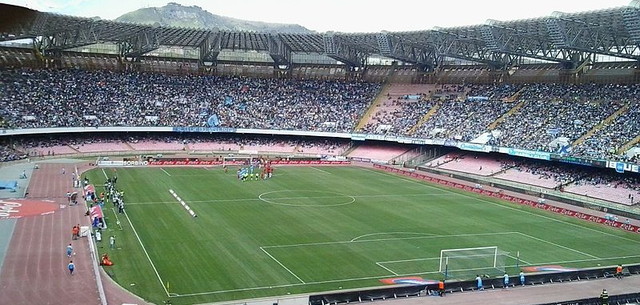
[283, 266]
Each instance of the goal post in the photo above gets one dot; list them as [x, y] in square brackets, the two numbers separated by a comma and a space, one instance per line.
[468, 262]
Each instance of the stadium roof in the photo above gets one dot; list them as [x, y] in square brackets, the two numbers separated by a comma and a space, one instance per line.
[570, 39]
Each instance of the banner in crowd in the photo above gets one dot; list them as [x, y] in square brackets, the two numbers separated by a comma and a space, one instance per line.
[622, 167]
[525, 153]
[204, 129]
[531, 203]
[475, 147]
[215, 162]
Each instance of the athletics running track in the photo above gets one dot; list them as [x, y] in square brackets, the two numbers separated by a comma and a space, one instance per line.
[34, 271]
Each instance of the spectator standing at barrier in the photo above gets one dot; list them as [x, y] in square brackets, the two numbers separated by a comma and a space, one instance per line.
[479, 284]
[619, 272]
[604, 297]
[522, 279]
[71, 266]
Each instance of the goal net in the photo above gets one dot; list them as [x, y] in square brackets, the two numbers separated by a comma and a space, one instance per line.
[468, 262]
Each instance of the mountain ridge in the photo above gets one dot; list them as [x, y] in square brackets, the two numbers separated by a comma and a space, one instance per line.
[177, 15]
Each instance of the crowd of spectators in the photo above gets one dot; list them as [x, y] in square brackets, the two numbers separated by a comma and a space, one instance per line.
[606, 143]
[495, 92]
[9, 153]
[558, 172]
[463, 120]
[400, 118]
[72, 98]
[551, 119]
[538, 123]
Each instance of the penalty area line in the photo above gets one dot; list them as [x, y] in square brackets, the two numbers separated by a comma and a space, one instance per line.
[385, 268]
[166, 172]
[282, 265]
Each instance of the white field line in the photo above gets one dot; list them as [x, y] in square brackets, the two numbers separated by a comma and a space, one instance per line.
[374, 277]
[388, 239]
[558, 245]
[147, 254]
[282, 265]
[117, 220]
[166, 172]
[322, 171]
[385, 268]
[410, 260]
[293, 198]
[521, 260]
[105, 174]
[505, 206]
[390, 233]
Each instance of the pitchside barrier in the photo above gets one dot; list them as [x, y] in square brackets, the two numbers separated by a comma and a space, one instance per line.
[538, 278]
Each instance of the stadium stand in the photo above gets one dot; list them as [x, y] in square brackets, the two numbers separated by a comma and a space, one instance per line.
[36, 98]
[541, 109]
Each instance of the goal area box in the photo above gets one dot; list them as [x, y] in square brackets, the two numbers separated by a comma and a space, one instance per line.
[465, 263]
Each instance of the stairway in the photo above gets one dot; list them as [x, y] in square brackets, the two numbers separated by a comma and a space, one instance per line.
[366, 117]
[601, 125]
[628, 145]
[128, 145]
[425, 118]
[516, 95]
[350, 149]
[503, 117]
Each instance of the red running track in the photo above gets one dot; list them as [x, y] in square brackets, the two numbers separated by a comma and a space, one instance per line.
[35, 267]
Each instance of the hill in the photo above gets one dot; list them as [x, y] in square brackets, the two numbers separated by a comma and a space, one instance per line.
[176, 15]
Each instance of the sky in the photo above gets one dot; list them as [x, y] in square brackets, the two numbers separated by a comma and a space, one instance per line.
[352, 16]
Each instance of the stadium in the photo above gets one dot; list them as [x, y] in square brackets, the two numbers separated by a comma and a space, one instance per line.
[205, 166]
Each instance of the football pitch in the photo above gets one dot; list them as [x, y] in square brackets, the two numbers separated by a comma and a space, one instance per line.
[314, 229]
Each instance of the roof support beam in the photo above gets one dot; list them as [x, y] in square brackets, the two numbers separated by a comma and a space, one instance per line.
[343, 52]
[280, 52]
[137, 45]
[393, 46]
[210, 48]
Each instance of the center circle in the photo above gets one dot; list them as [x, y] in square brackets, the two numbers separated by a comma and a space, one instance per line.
[306, 198]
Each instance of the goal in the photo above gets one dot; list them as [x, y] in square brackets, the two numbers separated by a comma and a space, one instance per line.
[468, 262]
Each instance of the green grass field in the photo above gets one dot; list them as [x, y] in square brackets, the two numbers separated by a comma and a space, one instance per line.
[313, 229]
